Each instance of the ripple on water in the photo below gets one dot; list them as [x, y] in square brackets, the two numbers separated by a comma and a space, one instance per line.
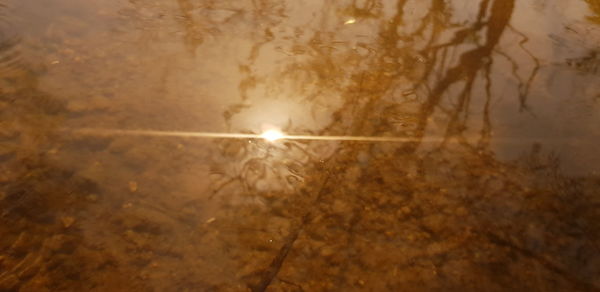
[10, 57]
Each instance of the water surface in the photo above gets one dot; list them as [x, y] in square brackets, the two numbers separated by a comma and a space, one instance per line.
[488, 178]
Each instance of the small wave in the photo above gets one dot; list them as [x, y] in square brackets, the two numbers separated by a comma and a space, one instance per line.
[10, 56]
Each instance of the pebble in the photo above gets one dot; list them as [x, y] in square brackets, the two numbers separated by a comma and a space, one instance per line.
[405, 210]
[133, 186]
[67, 221]
[327, 251]
[60, 243]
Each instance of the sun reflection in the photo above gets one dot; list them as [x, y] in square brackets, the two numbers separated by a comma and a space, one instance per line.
[272, 135]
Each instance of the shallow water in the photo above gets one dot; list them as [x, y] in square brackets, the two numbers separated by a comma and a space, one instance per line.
[447, 145]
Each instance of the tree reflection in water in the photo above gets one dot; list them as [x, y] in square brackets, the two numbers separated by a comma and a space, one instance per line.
[385, 216]
[441, 211]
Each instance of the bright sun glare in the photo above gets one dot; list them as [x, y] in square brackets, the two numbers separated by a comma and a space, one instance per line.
[272, 135]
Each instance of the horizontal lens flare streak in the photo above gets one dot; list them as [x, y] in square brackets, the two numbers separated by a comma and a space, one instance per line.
[110, 132]
[267, 135]
[348, 138]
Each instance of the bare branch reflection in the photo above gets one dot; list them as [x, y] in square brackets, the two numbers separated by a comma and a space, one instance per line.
[431, 204]
[434, 77]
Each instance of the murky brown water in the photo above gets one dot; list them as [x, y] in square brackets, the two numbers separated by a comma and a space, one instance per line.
[477, 167]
